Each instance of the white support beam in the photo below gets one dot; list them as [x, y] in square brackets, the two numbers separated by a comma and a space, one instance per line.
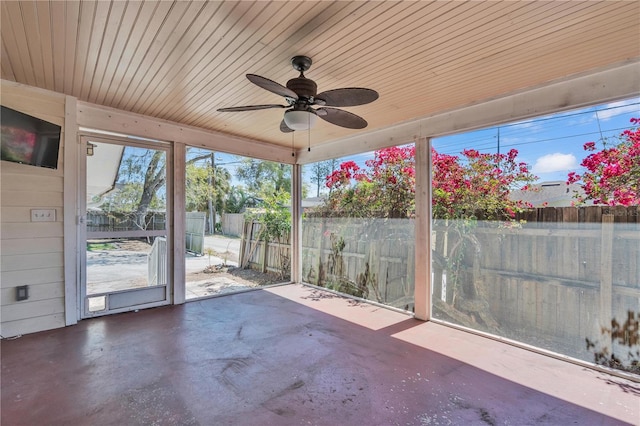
[619, 82]
[423, 290]
[71, 212]
[179, 223]
[296, 224]
[127, 123]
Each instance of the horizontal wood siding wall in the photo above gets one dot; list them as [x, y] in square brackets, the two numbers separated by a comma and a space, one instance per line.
[32, 253]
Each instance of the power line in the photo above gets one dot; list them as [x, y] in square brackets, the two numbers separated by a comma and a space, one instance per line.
[523, 129]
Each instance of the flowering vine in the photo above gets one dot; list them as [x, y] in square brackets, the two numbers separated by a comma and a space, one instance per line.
[461, 185]
[612, 175]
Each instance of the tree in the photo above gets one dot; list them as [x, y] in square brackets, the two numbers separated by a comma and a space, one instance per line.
[274, 217]
[461, 186]
[320, 171]
[154, 178]
[204, 186]
[264, 178]
[612, 174]
[478, 183]
[141, 177]
[237, 199]
[386, 188]
[126, 199]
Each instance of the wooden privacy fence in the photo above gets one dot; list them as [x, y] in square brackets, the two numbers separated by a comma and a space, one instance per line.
[261, 255]
[369, 258]
[118, 221]
[552, 282]
[194, 230]
[376, 260]
[232, 224]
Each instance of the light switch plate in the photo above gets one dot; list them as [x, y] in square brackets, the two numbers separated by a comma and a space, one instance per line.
[22, 292]
[43, 215]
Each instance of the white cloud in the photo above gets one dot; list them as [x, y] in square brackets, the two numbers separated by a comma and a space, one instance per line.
[531, 125]
[618, 108]
[556, 162]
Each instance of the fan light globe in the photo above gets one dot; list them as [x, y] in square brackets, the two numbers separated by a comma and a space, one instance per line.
[300, 120]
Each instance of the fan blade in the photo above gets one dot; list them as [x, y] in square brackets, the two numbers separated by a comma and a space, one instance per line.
[351, 96]
[342, 118]
[251, 107]
[272, 86]
[284, 128]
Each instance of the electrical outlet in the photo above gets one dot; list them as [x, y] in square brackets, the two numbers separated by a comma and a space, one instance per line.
[43, 215]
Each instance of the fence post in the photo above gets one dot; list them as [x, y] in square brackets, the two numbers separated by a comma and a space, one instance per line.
[264, 255]
[449, 243]
[321, 239]
[243, 237]
[606, 270]
[245, 246]
[411, 272]
[437, 270]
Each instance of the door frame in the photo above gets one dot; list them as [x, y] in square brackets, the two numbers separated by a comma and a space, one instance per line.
[167, 289]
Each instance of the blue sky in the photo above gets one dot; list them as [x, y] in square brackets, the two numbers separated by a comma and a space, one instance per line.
[551, 145]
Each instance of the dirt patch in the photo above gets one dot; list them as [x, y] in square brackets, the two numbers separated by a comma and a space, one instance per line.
[133, 245]
[225, 255]
[242, 276]
[123, 244]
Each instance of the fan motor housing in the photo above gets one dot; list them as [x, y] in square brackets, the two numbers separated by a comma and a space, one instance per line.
[304, 87]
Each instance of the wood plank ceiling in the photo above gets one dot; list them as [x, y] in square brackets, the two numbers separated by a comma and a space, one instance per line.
[181, 60]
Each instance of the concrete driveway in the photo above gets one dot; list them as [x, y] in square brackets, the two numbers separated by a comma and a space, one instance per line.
[119, 269]
[222, 245]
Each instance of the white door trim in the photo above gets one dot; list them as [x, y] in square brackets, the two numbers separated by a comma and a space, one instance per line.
[161, 295]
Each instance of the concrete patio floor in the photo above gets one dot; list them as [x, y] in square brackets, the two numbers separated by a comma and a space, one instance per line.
[293, 355]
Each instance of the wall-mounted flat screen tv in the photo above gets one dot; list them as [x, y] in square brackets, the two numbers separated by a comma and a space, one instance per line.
[29, 140]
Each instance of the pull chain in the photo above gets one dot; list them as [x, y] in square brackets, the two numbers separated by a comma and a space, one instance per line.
[309, 131]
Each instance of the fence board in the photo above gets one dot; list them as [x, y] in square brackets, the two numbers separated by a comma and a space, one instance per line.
[232, 224]
[194, 230]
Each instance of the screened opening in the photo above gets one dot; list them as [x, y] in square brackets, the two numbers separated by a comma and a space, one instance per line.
[238, 221]
[536, 232]
[358, 234]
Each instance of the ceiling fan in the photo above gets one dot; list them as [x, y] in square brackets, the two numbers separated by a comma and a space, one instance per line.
[301, 94]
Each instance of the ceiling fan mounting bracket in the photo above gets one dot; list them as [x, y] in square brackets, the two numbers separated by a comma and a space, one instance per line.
[301, 63]
[305, 89]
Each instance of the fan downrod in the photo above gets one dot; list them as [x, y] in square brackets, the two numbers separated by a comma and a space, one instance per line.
[301, 63]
